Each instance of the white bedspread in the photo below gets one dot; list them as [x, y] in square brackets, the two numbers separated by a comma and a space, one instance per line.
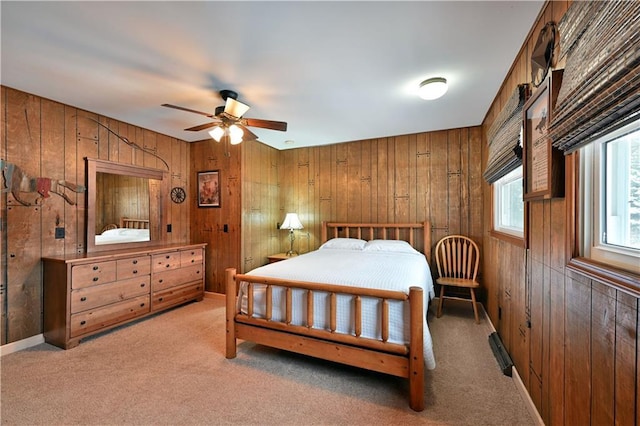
[369, 269]
[122, 235]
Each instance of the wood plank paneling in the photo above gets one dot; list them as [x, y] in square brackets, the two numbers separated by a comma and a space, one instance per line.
[603, 327]
[577, 360]
[390, 179]
[3, 221]
[587, 348]
[24, 223]
[624, 359]
[51, 140]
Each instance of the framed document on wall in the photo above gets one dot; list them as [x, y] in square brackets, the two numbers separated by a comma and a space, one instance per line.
[543, 164]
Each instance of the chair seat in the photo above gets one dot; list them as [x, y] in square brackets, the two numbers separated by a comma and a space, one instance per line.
[457, 282]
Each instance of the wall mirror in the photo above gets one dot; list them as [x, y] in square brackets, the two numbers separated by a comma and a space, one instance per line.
[125, 205]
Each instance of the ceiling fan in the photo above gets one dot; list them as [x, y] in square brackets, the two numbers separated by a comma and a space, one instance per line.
[229, 120]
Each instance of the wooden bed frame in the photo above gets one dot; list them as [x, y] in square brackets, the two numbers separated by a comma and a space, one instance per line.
[400, 360]
[130, 223]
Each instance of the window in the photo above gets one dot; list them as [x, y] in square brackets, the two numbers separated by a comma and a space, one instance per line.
[610, 198]
[508, 207]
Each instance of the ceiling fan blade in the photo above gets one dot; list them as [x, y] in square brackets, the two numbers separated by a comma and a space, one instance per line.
[235, 108]
[201, 127]
[248, 134]
[206, 114]
[266, 124]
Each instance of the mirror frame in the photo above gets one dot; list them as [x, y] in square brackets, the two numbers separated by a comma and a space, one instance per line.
[95, 166]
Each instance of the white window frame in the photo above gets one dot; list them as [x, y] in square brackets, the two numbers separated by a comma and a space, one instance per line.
[591, 219]
[499, 205]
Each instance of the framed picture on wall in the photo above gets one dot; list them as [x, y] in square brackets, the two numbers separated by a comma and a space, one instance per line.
[543, 164]
[209, 189]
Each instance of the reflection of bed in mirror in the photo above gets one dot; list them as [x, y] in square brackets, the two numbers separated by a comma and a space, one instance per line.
[130, 230]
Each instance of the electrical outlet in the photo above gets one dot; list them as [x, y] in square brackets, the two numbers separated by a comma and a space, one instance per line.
[168, 227]
[59, 233]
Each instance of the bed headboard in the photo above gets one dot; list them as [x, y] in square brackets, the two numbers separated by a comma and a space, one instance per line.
[129, 223]
[416, 234]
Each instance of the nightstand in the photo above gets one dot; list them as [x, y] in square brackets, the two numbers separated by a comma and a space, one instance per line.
[280, 256]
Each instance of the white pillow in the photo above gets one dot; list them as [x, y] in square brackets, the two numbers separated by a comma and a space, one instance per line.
[397, 246]
[344, 244]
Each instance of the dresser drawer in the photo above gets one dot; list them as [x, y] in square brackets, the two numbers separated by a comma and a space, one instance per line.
[165, 261]
[177, 295]
[115, 313]
[133, 267]
[167, 279]
[190, 257]
[93, 274]
[105, 294]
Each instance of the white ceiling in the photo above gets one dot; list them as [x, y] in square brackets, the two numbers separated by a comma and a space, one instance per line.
[334, 71]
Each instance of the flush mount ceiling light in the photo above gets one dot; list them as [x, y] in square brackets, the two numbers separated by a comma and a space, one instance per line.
[433, 88]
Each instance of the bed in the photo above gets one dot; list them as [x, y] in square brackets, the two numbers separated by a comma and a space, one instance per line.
[129, 230]
[359, 300]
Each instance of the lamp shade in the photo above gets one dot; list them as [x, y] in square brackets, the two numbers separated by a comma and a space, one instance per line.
[217, 133]
[433, 88]
[291, 221]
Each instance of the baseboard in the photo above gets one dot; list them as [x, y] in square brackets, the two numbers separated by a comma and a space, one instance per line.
[213, 295]
[531, 407]
[27, 343]
[525, 395]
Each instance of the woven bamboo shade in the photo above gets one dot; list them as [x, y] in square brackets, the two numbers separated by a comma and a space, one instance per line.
[601, 81]
[504, 137]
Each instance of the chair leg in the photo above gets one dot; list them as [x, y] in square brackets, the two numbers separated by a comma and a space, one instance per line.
[475, 307]
[439, 312]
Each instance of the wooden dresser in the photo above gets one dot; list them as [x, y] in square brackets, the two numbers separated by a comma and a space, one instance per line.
[89, 293]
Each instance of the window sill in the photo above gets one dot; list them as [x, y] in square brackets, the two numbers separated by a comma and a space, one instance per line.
[616, 278]
[511, 239]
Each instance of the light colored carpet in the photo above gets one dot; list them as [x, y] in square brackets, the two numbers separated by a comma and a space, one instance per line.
[170, 369]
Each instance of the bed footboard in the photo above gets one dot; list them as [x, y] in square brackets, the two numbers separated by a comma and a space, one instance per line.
[402, 360]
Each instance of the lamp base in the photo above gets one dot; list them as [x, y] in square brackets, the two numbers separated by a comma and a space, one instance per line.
[291, 253]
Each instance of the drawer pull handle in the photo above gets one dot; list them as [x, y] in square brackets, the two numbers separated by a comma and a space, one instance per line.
[193, 253]
[167, 257]
[142, 305]
[83, 299]
[167, 265]
[193, 261]
[142, 285]
[161, 299]
[135, 271]
[95, 268]
[197, 272]
[135, 262]
[95, 279]
[160, 281]
[83, 322]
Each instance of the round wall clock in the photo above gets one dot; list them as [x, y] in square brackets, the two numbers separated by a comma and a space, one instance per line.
[542, 55]
[177, 195]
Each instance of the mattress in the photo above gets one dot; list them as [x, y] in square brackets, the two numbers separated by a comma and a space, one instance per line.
[371, 267]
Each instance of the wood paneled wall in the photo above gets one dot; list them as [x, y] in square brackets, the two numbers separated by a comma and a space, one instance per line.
[573, 339]
[49, 139]
[425, 176]
[261, 211]
[219, 227]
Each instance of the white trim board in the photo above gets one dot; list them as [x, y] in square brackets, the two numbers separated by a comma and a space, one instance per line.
[27, 343]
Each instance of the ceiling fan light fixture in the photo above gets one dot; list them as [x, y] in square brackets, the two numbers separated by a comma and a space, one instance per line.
[235, 134]
[235, 108]
[433, 88]
[217, 133]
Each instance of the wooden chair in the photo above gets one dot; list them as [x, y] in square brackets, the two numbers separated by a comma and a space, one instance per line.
[457, 258]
